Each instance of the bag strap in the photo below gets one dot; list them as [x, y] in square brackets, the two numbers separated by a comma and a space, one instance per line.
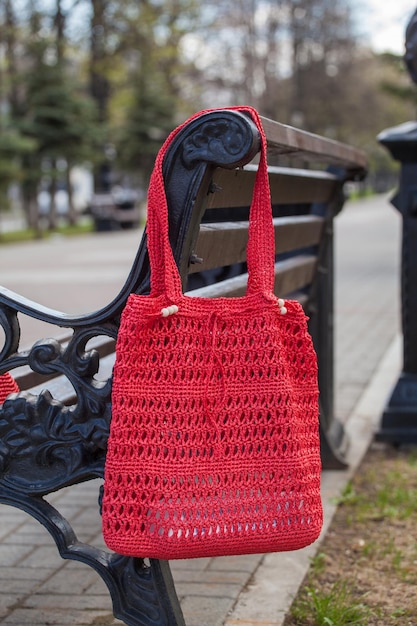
[165, 277]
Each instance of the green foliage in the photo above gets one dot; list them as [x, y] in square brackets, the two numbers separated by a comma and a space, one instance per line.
[29, 234]
[349, 495]
[58, 115]
[62, 122]
[335, 607]
[13, 147]
[150, 117]
[150, 87]
[318, 563]
[393, 498]
[396, 83]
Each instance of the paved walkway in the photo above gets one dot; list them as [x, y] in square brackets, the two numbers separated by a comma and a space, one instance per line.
[38, 588]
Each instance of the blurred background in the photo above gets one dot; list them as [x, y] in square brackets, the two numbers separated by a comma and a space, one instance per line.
[89, 89]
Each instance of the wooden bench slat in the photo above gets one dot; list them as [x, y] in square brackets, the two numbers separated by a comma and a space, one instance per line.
[294, 274]
[288, 186]
[286, 140]
[224, 243]
[290, 275]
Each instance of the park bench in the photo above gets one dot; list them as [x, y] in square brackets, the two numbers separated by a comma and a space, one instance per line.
[54, 433]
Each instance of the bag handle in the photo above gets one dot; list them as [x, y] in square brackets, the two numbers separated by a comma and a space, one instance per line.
[165, 277]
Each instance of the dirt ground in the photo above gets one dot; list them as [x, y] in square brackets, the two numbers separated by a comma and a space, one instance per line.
[370, 548]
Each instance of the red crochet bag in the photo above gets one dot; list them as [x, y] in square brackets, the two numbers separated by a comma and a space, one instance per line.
[214, 440]
[7, 386]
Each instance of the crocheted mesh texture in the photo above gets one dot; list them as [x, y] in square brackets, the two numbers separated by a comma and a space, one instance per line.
[7, 386]
[214, 445]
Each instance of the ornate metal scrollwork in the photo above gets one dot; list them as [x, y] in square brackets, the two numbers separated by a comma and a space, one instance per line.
[10, 325]
[222, 141]
[42, 447]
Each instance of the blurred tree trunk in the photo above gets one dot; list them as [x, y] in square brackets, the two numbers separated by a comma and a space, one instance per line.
[99, 83]
[11, 57]
[59, 25]
[52, 213]
[72, 211]
[30, 183]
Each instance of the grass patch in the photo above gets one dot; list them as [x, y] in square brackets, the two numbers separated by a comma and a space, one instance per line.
[15, 236]
[85, 226]
[335, 607]
[318, 563]
[29, 234]
[349, 496]
[393, 496]
[365, 572]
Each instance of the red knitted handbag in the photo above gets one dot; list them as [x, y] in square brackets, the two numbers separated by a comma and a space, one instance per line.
[214, 441]
[7, 386]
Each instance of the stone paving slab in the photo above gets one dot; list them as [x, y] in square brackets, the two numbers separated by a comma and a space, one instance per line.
[48, 590]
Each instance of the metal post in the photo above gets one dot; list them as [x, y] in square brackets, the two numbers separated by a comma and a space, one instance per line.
[334, 441]
[399, 420]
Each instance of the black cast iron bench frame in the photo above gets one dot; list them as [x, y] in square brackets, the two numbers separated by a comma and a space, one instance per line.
[46, 444]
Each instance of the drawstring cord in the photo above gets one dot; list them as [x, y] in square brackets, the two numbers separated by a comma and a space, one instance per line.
[213, 408]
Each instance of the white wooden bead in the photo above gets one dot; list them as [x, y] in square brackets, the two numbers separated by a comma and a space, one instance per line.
[283, 310]
[281, 302]
[169, 310]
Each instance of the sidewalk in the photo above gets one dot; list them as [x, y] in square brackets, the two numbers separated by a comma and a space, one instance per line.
[38, 588]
